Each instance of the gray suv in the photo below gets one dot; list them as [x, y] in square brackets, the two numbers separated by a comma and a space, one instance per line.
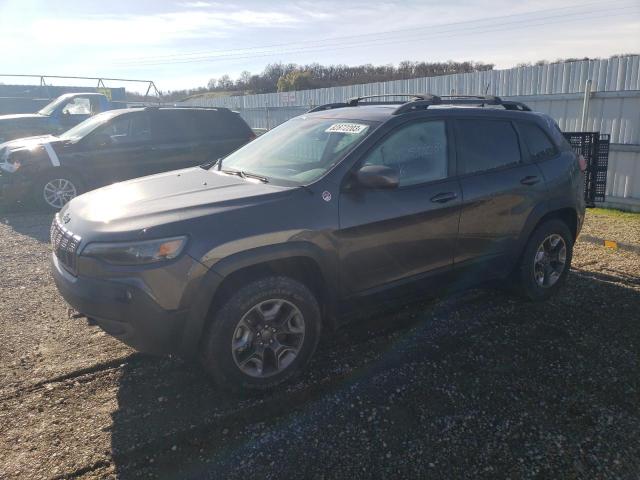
[244, 261]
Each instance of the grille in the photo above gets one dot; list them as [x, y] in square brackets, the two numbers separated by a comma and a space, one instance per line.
[65, 245]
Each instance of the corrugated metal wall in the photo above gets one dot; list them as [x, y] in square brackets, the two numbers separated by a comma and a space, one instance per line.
[556, 89]
[607, 75]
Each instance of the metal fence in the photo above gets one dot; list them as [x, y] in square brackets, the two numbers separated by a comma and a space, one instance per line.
[615, 74]
[612, 108]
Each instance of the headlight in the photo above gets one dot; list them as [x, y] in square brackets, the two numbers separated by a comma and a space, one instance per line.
[136, 253]
[10, 167]
[4, 161]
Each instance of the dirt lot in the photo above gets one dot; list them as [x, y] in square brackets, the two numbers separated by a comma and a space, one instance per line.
[475, 384]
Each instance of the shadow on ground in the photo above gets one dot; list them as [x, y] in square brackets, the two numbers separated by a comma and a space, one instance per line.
[27, 221]
[477, 384]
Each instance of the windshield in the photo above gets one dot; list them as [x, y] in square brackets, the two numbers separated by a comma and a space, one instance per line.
[299, 151]
[51, 107]
[85, 128]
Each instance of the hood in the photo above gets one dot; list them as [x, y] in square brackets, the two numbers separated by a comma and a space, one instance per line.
[28, 145]
[21, 120]
[29, 142]
[21, 116]
[21, 125]
[146, 202]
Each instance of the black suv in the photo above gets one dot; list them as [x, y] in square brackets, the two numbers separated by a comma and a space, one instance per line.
[244, 262]
[114, 146]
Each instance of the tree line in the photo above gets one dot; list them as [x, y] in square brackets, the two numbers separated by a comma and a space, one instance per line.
[281, 77]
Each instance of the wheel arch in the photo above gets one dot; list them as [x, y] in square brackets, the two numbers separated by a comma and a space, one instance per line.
[538, 216]
[568, 215]
[302, 262]
[51, 170]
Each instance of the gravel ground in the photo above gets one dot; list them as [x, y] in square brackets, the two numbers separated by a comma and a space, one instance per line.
[613, 225]
[474, 384]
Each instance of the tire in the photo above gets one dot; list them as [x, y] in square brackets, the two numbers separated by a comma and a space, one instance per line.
[69, 185]
[243, 327]
[541, 275]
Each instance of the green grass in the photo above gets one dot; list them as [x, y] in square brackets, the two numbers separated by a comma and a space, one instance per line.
[611, 212]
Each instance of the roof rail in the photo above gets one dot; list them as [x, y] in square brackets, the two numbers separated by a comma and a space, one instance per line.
[328, 106]
[510, 105]
[485, 100]
[353, 102]
[425, 100]
[481, 100]
[173, 106]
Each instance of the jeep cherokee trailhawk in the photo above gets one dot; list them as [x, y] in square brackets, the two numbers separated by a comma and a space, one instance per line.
[244, 261]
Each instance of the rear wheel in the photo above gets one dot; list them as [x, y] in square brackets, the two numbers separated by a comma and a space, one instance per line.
[546, 260]
[55, 189]
[263, 335]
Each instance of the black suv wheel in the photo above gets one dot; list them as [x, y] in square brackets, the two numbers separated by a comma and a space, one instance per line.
[546, 260]
[55, 188]
[263, 335]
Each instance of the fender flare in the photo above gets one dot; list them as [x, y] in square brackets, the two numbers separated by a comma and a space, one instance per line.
[539, 212]
[204, 291]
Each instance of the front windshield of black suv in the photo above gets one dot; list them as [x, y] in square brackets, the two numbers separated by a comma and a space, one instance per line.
[85, 128]
[299, 151]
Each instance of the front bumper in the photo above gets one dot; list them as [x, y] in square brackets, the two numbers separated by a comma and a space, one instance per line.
[123, 310]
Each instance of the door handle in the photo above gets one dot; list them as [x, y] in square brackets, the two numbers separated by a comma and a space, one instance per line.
[444, 197]
[530, 180]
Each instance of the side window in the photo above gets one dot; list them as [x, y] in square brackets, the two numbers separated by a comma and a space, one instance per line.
[486, 144]
[77, 106]
[140, 129]
[225, 125]
[538, 144]
[127, 129]
[174, 126]
[418, 151]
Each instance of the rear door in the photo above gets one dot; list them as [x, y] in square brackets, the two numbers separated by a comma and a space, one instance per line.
[179, 140]
[389, 235]
[499, 192]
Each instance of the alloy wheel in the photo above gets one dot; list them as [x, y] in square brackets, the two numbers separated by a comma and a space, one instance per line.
[550, 261]
[268, 338]
[58, 191]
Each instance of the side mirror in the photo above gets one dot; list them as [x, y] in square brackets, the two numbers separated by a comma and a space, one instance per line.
[378, 176]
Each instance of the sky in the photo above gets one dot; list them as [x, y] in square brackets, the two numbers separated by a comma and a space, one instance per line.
[183, 43]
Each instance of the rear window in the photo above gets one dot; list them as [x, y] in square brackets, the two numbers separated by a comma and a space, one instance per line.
[191, 125]
[538, 143]
[486, 144]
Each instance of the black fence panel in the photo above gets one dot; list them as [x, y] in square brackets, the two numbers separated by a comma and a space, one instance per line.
[594, 147]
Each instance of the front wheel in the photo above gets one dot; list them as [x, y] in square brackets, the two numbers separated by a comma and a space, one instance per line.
[546, 260]
[55, 189]
[263, 335]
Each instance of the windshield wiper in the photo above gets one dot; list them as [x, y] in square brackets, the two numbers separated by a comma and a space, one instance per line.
[243, 174]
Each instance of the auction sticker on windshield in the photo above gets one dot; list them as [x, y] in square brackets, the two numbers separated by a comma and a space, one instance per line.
[352, 128]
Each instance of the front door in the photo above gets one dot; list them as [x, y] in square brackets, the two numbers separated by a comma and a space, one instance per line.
[119, 150]
[387, 235]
